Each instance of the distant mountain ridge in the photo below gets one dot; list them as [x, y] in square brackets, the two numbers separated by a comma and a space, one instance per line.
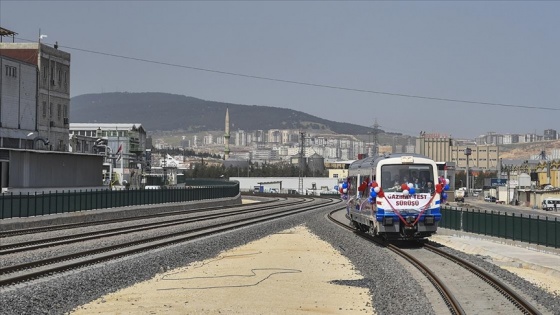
[167, 112]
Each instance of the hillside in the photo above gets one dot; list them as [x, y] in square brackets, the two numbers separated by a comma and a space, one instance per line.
[526, 150]
[166, 112]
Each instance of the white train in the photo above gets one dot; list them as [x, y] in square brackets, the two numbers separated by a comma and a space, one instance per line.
[395, 196]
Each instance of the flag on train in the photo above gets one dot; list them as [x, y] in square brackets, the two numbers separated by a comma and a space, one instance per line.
[119, 153]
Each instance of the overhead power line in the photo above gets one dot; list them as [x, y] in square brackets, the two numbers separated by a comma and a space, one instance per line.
[443, 99]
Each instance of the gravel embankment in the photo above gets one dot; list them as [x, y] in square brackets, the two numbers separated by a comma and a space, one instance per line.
[50, 252]
[383, 275]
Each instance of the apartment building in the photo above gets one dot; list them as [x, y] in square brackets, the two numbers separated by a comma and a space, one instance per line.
[18, 104]
[483, 157]
[52, 68]
[131, 138]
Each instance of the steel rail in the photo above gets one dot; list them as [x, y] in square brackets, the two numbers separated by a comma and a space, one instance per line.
[80, 237]
[109, 221]
[68, 262]
[522, 304]
[448, 297]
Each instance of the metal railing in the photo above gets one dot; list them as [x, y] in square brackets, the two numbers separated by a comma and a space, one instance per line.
[36, 204]
[528, 228]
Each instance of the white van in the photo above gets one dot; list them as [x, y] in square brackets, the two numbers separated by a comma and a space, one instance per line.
[551, 204]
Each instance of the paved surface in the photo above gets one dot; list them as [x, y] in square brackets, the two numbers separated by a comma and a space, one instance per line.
[547, 257]
[507, 253]
[518, 210]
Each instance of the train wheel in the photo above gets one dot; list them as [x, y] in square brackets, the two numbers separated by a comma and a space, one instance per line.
[365, 228]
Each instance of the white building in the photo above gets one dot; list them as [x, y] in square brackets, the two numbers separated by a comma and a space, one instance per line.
[18, 104]
[51, 105]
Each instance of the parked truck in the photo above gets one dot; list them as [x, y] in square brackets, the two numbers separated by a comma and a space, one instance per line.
[459, 195]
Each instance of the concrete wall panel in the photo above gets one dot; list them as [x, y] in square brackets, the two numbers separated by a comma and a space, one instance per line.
[32, 169]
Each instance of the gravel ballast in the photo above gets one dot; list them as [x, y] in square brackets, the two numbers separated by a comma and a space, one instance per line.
[385, 278]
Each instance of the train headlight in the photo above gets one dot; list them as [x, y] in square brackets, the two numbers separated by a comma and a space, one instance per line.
[387, 220]
[429, 220]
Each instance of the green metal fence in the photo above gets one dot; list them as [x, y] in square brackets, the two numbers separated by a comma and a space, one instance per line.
[27, 205]
[530, 229]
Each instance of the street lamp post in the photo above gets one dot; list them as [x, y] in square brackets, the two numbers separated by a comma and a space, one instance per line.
[468, 152]
[164, 171]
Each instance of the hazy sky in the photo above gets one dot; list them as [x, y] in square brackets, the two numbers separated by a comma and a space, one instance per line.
[492, 52]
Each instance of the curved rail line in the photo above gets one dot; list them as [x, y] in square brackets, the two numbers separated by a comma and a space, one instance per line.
[33, 270]
[522, 304]
[448, 297]
[454, 306]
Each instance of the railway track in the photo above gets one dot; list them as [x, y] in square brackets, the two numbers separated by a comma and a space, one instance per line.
[50, 228]
[39, 268]
[44, 242]
[417, 257]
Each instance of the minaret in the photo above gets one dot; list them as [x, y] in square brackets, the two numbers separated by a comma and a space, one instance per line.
[226, 136]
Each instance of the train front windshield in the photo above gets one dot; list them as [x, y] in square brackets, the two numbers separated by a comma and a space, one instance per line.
[420, 175]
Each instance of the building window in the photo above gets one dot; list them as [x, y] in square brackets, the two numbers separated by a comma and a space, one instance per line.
[59, 111]
[52, 72]
[45, 74]
[50, 111]
[44, 109]
[11, 71]
[65, 110]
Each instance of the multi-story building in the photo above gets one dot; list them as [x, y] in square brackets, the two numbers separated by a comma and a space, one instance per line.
[511, 138]
[240, 138]
[261, 136]
[274, 136]
[263, 154]
[18, 104]
[482, 157]
[490, 138]
[131, 138]
[435, 146]
[550, 134]
[208, 139]
[531, 137]
[52, 88]
[286, 135]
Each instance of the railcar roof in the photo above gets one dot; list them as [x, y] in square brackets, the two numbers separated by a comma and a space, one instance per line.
[370, 162]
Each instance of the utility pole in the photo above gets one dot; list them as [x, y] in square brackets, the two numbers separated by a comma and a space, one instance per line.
[375, 142]
[468, 152]
[301, 163]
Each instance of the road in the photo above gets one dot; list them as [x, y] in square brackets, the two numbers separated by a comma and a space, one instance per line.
[477, 203]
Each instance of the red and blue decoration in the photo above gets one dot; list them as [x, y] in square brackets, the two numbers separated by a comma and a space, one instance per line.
[408, 189]
[344, 190]
[375, 192]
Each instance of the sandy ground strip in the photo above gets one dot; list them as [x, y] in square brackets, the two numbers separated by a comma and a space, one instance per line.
[285, 273]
